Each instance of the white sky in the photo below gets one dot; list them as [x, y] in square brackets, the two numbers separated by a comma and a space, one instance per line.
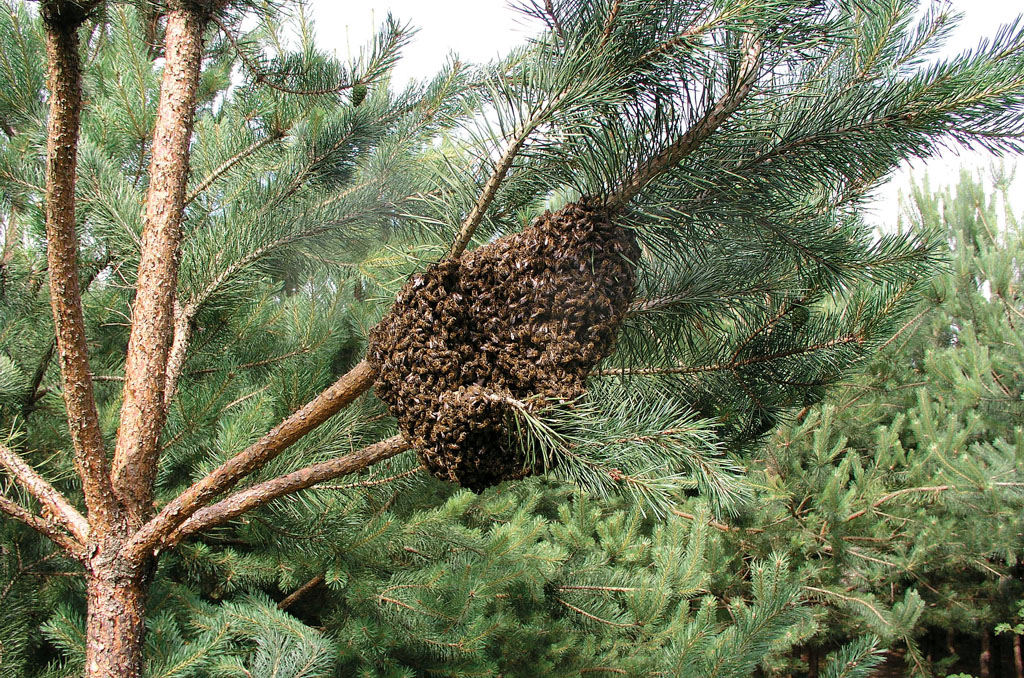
[479, 30]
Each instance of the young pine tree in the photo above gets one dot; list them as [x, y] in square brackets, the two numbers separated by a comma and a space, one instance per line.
[705, 160]
[901, 494]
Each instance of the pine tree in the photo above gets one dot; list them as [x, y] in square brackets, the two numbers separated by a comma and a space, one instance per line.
[721, 151]
[902, 492]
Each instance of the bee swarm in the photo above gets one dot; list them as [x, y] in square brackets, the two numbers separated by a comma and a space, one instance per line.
[529, 314]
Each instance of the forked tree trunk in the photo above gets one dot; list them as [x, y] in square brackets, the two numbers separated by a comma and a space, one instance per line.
[116, 623]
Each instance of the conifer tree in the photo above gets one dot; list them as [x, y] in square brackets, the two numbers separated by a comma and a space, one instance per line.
[902, 493]
[216, 337]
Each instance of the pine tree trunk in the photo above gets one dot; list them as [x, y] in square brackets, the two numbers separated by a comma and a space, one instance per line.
[985, 660]
[116, 623]
[1018, 660]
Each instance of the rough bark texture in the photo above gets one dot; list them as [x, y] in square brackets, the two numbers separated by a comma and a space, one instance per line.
[346, 389]
[116, 621]
[41, 525]
[64, 80]
[55, 506]
[264, 493]
[179, 348]
[143, 412]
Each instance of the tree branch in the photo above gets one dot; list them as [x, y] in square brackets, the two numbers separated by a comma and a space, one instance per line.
[340, 394]
[143, 411]
[490, 189]
[292, 597]
[64, 80]
[595, 618]
[42, 526]
[700, 131]
[265, 492]
[47, 495]
[731, 365]
[231, 162]
[185, 314]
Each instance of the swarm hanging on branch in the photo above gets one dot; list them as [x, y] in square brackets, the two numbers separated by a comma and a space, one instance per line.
[524, 318]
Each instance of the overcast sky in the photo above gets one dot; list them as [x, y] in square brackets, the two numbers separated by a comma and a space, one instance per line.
[479, 30]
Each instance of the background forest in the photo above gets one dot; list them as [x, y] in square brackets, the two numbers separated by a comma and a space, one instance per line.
[872, 527]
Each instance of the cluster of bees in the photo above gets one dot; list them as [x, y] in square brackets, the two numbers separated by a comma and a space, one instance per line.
[518, 322]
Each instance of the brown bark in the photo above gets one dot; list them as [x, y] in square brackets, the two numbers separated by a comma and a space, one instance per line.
[143, 411]
[294, 596]
[61, 21]
[182, 334]
[55, 505]
[263, 493]
[42, 526]
[115, 625]
[346, 389]
[1018, 660]
[985, 660]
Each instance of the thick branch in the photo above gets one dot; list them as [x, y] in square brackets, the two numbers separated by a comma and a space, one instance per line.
[143, 411]
[64, 80]
[42, 526]
[700, 131]
[54, 503]
[340, 394]
[264, 493]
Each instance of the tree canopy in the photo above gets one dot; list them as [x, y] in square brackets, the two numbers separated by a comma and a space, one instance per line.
[218, 213]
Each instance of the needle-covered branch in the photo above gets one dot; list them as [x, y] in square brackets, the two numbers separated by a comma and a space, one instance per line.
[340, 394]
[265, 492]
[61, 21]
[724, 107]
[47, 495]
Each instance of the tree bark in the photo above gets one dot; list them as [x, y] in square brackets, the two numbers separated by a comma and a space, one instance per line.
[116, 623]
[143, 411]
[985, 660]
[1018, 660]
[61, 21]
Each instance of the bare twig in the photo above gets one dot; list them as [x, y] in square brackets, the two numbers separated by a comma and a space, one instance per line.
[291, 598]
[594, 617]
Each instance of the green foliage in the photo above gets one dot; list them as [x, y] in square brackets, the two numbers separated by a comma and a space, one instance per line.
[316, 188]
[902, 493]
